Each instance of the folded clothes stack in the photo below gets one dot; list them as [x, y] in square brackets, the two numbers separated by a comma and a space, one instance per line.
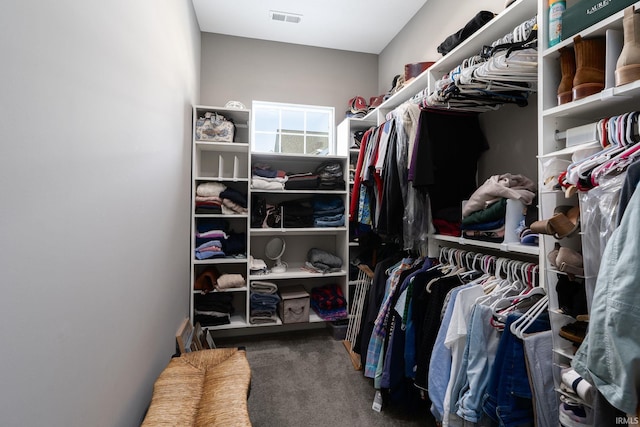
[297, 213]
[264, 177]
[213, 309]
[302, 181]
[263, 302]
[210, 249]
[486, 224]
[213, 239]
[331, 176]
[483, 216]
[328, 211]
[217, 198]
[328, 302]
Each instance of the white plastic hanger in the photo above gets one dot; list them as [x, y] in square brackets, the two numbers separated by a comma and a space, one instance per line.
[520, 326]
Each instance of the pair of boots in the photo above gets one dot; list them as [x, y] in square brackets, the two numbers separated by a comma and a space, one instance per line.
[583, 67]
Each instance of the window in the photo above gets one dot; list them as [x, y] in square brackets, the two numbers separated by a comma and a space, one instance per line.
[292, 128]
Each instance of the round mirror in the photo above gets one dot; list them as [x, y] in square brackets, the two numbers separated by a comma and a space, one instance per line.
[274, 251]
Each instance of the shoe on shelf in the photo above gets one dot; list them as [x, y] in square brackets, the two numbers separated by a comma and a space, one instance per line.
[628, 64]
[590, 58]
[569, 261]
[553, 255]
[564, 222]
[574, 332]
[574, 414]
[568, 72]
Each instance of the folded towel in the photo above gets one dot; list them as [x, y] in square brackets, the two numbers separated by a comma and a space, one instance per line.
[263, 287]
[227, 281]
[262, 301]
[263, 319]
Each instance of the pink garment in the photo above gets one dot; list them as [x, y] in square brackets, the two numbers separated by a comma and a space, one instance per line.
[508, 186]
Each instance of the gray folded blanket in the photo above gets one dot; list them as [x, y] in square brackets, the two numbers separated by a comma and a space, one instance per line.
[323, 260]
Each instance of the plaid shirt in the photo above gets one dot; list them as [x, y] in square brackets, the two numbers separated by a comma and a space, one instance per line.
[377, 336]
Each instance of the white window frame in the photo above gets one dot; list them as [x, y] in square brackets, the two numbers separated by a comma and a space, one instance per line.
[281, 107]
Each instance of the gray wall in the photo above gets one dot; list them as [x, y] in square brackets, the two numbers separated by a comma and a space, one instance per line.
[511, 131]
[95, 126]
[242, 69]
[419, 39]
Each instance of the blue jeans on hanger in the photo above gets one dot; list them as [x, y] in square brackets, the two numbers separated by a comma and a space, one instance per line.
[508, 399]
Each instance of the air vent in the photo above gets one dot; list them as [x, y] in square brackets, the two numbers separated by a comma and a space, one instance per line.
[285, 17]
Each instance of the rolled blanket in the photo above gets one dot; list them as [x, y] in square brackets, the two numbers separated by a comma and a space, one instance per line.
[228, 281]
[263, 287]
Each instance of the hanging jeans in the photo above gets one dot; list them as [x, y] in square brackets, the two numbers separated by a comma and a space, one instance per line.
[508, 400]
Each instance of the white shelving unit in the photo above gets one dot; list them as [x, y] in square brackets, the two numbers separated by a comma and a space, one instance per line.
[230, 163]
[345, 137]
[556, 119]
[226, 163]
[299, 240]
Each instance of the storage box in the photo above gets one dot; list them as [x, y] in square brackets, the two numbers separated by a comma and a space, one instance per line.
[585, 13]
[338, 329]
[294, 306]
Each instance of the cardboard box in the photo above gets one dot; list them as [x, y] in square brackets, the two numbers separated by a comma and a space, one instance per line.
[294, 305]
[585, 13]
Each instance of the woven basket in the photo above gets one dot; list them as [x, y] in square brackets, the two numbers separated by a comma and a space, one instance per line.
[202, 388]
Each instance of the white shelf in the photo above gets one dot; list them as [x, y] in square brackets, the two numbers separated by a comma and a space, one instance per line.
[222, 146]
[220, 261]
[602, 104]
[317, 192]
[220, 179]
[295, 272]
[506, 247]
[221, 216]
[297, 231]
[242, 289]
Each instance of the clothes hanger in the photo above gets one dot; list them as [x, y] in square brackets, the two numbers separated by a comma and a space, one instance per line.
[520, 325]
[630, 134]
[514, 303]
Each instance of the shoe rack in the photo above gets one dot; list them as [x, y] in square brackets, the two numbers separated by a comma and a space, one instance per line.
[557, 126]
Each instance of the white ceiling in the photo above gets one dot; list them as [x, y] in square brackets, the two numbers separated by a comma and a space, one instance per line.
[355, 25]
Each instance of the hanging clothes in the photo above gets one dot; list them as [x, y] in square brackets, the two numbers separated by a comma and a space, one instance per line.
[447, 152]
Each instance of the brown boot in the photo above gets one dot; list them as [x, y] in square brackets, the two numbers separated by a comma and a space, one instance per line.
[628, 65]
[568, 70]
[589, 78]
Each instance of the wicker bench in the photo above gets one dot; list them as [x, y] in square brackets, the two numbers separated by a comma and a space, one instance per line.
[202, 388]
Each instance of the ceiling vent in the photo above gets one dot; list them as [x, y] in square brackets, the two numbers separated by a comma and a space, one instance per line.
[285, 17]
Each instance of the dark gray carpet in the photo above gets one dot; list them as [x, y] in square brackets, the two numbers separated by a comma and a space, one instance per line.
[306, 378]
